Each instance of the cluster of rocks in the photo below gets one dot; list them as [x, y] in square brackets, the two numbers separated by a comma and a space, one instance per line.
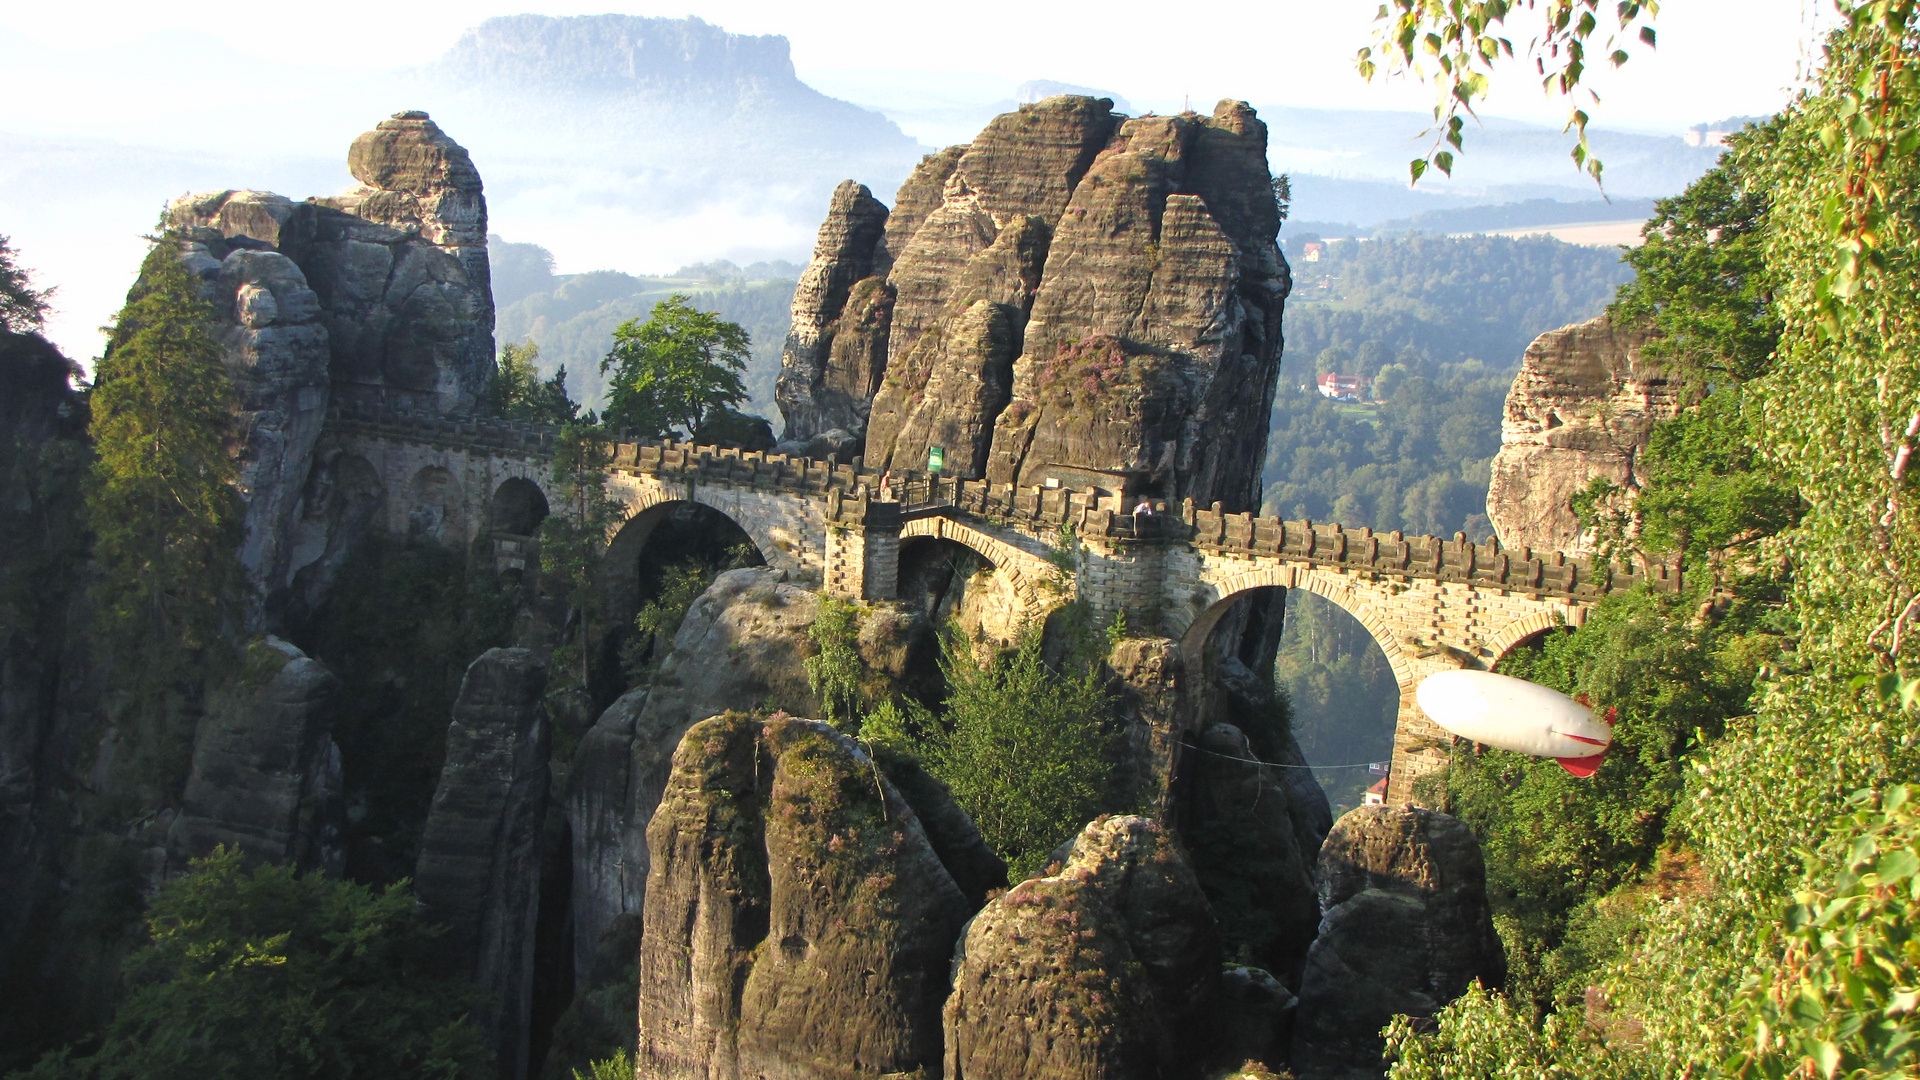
[1076, 296]
[804, 919]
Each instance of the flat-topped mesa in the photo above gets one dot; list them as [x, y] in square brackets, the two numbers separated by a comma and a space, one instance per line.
[399, 264]
[1075, 297]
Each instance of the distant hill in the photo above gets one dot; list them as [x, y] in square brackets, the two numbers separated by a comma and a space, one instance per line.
[655, 117]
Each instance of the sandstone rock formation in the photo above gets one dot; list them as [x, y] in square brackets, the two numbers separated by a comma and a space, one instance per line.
[1580, 409]
[837, 347]
[266, 773]
[1406, 930]
[1155, 715]
[742, 644]
[798, 921]
[1074, 295]
[479, 869]
[1239, 823]
[1108, 968]
[275, 349]
[398, 264]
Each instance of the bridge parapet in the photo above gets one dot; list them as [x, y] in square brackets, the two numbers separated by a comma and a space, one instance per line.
[1429, 557]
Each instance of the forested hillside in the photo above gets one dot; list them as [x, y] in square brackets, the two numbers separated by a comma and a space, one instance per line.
[571, 317]
[1438, 324]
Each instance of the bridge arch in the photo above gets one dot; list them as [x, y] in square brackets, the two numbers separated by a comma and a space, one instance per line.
[1217, 599]
[517, 507]
[1529, 629]
[1018, 595]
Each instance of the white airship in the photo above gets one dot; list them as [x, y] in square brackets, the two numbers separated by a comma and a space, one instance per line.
[1514, 714]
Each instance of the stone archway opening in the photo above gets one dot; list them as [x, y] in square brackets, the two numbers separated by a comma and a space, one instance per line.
[659, 562]
[1342, 695]
[938, 574]
[511, 542]
[517, 508]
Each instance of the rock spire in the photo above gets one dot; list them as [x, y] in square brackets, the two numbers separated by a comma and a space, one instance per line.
[1074, 296]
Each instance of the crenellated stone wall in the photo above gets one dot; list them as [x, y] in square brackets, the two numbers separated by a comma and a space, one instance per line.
[1431, 603]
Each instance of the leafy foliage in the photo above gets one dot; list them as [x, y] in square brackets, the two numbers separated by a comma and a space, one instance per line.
[673, 370]
[1844, 998]
[518, 392]
[274, 974]
[23, 308]
[617, 1067]
[1026, 749]
[573, 317]
[162, 507]
[1464, 41]
[835, 669]
[1768, 809]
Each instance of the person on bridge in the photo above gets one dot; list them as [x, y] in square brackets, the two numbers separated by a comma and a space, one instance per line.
[1145, 509]
[886, 486]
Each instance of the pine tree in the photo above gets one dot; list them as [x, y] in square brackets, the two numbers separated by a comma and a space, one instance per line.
[164, 512]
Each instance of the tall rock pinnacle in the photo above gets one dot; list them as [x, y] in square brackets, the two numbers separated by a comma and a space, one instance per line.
[1074, 296]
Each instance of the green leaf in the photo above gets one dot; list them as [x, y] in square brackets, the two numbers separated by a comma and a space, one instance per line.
[1896, 866]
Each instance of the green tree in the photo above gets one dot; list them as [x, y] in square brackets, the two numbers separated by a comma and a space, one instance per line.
[23, 308]
[674, 371]
[273, 974]
[162, 505]
[1027, 749]
[518, 393]
[573, 539]
[1792, 953]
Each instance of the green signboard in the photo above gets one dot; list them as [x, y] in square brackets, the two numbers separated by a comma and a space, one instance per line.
[936, 457]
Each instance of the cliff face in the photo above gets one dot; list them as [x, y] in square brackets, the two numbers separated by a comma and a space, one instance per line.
[1581, 409]
[799, 922]
[1108, 967]
[1074, 296]
[398, 264]
[383, 291]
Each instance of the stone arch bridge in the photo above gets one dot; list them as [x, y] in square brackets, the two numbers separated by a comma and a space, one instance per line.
[1430, 603]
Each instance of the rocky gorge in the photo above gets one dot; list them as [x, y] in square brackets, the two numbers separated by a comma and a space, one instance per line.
[675, 859]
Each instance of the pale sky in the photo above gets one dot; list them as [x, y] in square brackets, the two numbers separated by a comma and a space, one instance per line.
[153, 73]
[1716, 57]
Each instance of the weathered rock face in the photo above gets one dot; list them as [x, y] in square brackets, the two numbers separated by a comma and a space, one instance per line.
[479, 870]
[838, 343]
[274, 347]
[1240, 825]
[1406, 929]
[399, 264]
[1109, 968]
[1074, 295]
[742, 645]
[798, 922]
[266, 773]
[1155, 714]
[1581, 409]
